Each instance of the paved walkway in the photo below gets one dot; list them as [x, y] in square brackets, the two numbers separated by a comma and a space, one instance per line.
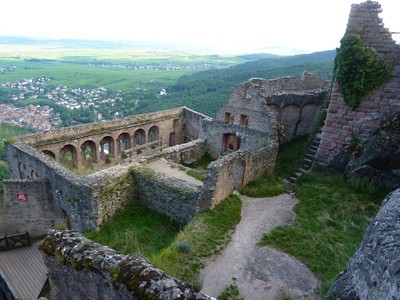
[260, 273]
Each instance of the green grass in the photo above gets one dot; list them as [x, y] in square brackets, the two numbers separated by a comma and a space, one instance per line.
[136, 229]
[268, 185]
[332, 217]
[196, 174]
[289, 158]
[179, 251]
[207, 234]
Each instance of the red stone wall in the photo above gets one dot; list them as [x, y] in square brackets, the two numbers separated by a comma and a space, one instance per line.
[341, 123]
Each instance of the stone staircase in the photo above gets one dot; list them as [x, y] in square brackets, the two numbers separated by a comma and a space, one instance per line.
[309, 158]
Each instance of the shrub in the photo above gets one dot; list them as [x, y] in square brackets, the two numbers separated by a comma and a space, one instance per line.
[359, 69]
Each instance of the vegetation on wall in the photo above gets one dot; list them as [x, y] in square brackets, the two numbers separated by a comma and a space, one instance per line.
[359, 69]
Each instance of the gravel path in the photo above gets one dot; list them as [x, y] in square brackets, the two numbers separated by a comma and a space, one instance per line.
[259, 272]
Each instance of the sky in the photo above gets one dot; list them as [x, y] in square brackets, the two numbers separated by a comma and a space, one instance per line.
[225, 25]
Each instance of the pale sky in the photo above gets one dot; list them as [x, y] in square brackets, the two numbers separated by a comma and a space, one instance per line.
[230, 25]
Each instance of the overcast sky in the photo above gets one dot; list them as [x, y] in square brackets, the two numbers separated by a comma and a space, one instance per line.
[231, 25]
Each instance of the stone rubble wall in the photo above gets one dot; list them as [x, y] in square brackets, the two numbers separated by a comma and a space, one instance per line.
[341, 123]
[81, 269]
[35, 215]
[374, 270]
[233, 171]
[168, 195]
[71, 194]
[284, 108]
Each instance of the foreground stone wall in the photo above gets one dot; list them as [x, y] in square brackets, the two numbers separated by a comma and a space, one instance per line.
[27, 205]
[343, 124]
[374, 270]
[81, 269]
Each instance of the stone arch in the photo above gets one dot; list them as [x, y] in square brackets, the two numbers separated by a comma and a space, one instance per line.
[22, 170]
[69, 156]
[123, 142]
[107, 148]
[35, 175]
[89, 152]
[230, 143]
[139, 137]
[154, 134]
[49, 153]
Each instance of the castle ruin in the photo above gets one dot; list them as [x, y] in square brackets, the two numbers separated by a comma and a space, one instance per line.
[46, 189]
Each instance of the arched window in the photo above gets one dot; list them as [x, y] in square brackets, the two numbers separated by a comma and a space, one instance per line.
[139, 137]
[68, 156]
[88, 152]
[106, 148]
[153, 134]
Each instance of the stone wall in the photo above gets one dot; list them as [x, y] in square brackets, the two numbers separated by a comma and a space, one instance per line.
[374, 270]
[233, 171]
[214, 131]
[27, 206]
[193, 123]
[71, 194]
[81, 269]
[343, 124]
[284, 108]
[170, 196]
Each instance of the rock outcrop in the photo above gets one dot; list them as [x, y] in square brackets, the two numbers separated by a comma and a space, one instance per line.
[374, 270]
[81, 269]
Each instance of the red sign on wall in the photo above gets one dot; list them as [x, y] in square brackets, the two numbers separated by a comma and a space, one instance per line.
[22, 197]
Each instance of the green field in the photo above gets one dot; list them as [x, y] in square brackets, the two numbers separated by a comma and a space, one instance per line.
[200, 81]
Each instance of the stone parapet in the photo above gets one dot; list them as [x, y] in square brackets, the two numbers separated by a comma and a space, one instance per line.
[81, 269]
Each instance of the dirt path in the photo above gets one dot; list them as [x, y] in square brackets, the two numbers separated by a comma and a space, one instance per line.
[259, 272]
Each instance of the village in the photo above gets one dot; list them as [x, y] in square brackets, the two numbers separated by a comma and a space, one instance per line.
[43, 117]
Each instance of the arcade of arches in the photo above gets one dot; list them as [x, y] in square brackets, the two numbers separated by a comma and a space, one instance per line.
[88, 151]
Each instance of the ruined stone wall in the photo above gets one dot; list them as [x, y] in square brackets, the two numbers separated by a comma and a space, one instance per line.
[73, 132]
[341, 123]
[193, 123]
[233, 171]
[284, 108]
[71, 193]
[213, 133]
[364, 20]
[27, 206]
[81, 269]
[170, 196]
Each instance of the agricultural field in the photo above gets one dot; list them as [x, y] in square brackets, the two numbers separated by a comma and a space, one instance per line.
[87, 85]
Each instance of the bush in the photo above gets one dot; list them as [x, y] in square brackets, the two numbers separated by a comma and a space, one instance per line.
[359, 69]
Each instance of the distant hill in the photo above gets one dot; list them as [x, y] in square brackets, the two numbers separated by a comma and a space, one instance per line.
[207, 91]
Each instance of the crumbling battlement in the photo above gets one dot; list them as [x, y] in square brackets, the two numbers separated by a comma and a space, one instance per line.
[343, 125]
[283, 108]
[81, 269]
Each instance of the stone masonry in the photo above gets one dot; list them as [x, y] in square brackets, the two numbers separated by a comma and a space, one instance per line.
[81, 269]
[341, 123]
